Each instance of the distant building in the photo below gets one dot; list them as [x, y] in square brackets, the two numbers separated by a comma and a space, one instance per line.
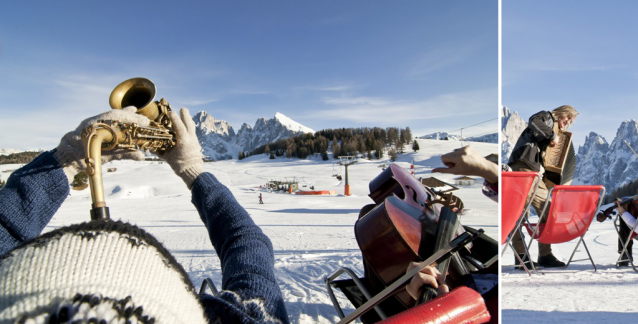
[463, 181]
[283, 185]
[442, 186]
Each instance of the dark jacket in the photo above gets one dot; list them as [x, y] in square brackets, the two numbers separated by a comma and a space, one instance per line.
[534, 140]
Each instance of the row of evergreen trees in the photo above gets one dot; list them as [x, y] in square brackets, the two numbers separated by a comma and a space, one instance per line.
[629, 189]
[18, 158]
[370, 142]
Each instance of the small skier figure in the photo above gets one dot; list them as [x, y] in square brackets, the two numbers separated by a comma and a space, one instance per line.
[260, 199]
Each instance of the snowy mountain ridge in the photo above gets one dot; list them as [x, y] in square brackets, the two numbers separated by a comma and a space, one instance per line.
[488, 138]
[611, 165]
[8, 151]
[220, 142]
[441, 136]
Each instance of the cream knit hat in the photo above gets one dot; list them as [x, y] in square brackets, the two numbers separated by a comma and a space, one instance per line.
[97, 272]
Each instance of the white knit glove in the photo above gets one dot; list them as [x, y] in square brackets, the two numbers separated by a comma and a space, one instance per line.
[70, 153]
[185, 158]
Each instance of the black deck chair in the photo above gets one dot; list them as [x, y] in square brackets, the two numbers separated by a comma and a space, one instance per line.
[357, 289]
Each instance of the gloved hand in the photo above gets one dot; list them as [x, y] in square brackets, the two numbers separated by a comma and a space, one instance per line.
[185, 158]
[70, 152]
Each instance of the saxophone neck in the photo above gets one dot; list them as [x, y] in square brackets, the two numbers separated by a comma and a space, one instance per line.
[93, 138]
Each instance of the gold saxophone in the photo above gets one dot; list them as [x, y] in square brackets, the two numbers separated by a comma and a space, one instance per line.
[106, 135]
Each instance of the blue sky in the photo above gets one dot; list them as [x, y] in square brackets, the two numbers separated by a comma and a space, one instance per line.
[429, 65]
[581, 53]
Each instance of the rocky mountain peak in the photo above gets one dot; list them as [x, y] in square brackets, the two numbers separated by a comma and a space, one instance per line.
[219, 141]
[207, 124]
[512, 125]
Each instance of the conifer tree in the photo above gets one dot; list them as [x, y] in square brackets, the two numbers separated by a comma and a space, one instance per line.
[336, 149]
[392, 154]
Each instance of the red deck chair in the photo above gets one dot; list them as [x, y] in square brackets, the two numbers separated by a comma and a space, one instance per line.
[515, 188]
[572, 210]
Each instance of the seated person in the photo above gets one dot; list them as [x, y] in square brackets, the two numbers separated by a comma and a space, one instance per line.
[628, 222]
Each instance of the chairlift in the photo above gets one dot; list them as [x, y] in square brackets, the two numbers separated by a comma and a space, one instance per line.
[334, 172]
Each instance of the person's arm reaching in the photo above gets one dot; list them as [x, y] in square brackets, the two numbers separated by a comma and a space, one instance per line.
[36, 191]
[29, 200]
[248, 279]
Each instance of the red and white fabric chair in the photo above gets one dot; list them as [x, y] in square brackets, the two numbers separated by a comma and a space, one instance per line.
[571, 212]
[515, 190]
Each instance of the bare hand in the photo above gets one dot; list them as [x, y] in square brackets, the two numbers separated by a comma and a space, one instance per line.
[467, 161]
[619, 208]
[427, 276]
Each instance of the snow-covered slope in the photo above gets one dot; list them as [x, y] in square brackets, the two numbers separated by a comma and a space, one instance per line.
[291, 124]
[312, 236]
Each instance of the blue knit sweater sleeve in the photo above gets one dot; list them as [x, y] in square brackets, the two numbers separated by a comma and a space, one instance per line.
[251, 293]
[29, 200]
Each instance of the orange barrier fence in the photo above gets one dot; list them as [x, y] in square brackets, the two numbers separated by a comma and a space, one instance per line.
[321, 192]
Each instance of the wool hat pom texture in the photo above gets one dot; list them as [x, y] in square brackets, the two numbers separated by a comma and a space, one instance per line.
[103, 269]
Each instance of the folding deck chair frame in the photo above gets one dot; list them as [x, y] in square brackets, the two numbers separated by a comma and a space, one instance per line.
[523, 215]
[630, 237]
[208, 283]
[535, 230]
[371, 302]
[360, 285]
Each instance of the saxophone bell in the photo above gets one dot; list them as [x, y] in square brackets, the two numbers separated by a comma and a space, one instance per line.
[140, 92]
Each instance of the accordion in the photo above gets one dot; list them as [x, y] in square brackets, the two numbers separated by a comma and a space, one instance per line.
[560, 160]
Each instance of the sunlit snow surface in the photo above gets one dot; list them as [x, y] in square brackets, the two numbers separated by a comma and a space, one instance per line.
[313, 236]
[576, 294]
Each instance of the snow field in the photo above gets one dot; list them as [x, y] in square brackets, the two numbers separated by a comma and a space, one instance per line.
[576, 294]
[312, 236]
